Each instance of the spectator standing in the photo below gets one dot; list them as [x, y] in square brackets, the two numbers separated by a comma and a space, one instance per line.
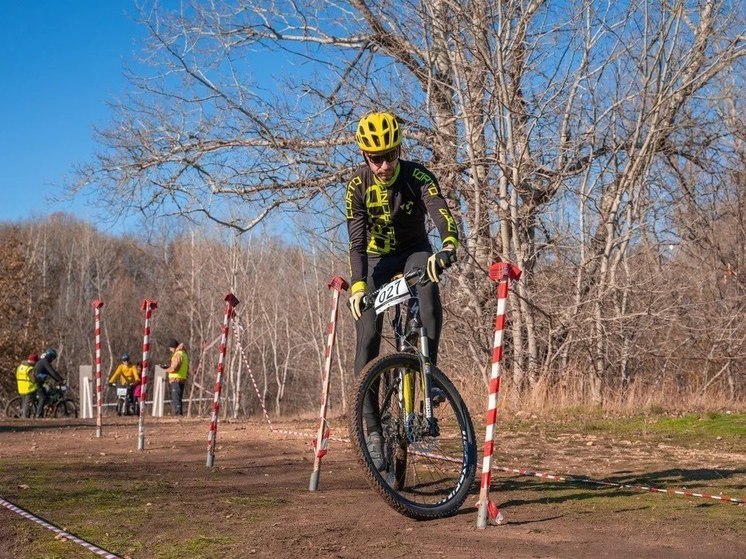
[177, 372]
[26, 381]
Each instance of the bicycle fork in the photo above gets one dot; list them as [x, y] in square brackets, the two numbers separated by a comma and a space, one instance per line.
[407, 384]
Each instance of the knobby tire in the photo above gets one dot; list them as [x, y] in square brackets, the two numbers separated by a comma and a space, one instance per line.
[424, 477]
[66, 408]
[13, 408]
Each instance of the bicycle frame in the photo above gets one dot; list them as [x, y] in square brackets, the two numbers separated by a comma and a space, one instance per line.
[402, 329]
[55, 396]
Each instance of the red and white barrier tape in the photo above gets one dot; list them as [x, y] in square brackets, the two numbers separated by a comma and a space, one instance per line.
[571, 479]
[59, 531]
[272, 428]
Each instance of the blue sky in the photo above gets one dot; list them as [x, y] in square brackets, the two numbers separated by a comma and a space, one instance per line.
[60, 61]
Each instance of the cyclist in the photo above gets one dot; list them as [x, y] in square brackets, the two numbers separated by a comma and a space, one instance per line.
[126, 374]
[43, 370]
[26, 382]
[387, 202]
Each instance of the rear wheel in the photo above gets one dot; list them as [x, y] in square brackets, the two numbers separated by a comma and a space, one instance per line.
[428, 469]
[13, 407]
[66, 408]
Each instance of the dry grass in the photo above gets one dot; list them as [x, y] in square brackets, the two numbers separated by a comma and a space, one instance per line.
[579, 390]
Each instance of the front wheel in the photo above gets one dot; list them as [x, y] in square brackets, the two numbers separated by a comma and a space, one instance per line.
[134, 407]
[427, 468]
[66, 408]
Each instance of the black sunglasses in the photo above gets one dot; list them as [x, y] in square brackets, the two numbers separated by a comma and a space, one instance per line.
[389, 157]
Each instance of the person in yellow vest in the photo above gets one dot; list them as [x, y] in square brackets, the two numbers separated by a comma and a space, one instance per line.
[126, 374]
[26, 381]
[177, 372]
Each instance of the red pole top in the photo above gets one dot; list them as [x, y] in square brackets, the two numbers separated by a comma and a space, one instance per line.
[149, 305]
[97, 304]
[231, 300]
[504, 270]
[338, 283]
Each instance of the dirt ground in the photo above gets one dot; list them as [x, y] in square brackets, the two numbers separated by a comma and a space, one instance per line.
[164, 502]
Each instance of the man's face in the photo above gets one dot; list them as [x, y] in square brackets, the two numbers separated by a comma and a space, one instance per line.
[383, 164]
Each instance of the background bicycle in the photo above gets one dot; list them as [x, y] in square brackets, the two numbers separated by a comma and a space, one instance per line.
[126, 403]
[59, 404]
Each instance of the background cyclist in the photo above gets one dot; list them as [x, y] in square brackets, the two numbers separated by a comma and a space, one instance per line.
[127, 375]
[43, 371]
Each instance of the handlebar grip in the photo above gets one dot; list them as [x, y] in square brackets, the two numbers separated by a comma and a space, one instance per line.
[364, 304]
[445, 259]
[450, 258]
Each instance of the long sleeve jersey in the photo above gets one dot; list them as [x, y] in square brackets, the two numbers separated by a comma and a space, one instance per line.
[125, 374]
[389, 218]
[44, 369]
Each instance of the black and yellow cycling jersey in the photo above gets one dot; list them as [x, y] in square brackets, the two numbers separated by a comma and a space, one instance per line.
[389, 218]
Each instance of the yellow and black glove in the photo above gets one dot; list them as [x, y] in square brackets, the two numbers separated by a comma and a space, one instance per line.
[356, 304]
[440, 261]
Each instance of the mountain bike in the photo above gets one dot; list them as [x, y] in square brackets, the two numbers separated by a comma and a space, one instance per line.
[428, 442]
[59, 404]
[126, 403]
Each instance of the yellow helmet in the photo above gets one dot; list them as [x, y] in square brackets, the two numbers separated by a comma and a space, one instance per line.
[377, 132]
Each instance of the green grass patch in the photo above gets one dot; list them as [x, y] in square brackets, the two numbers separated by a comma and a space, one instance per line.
[255, 508]
[91, 496]
[708, 425]
[198, 547]
[256, 501]
[690, 427]
[643, 507]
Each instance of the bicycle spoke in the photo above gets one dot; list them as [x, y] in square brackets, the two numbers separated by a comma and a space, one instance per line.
[427, 468]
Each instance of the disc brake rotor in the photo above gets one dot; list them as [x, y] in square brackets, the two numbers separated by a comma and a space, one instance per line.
[418, 433]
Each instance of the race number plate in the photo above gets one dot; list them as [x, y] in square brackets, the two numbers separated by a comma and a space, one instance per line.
[391, 294]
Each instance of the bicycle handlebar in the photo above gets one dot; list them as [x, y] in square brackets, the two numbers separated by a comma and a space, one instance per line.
[419, 275]
[416, 276]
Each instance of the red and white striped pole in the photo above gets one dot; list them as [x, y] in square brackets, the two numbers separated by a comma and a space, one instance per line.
[230, 304]
[97, 304]
[502, 273]
[148, 307]
[338, 285]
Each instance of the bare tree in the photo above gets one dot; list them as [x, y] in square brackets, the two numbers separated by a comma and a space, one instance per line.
[556, 132]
